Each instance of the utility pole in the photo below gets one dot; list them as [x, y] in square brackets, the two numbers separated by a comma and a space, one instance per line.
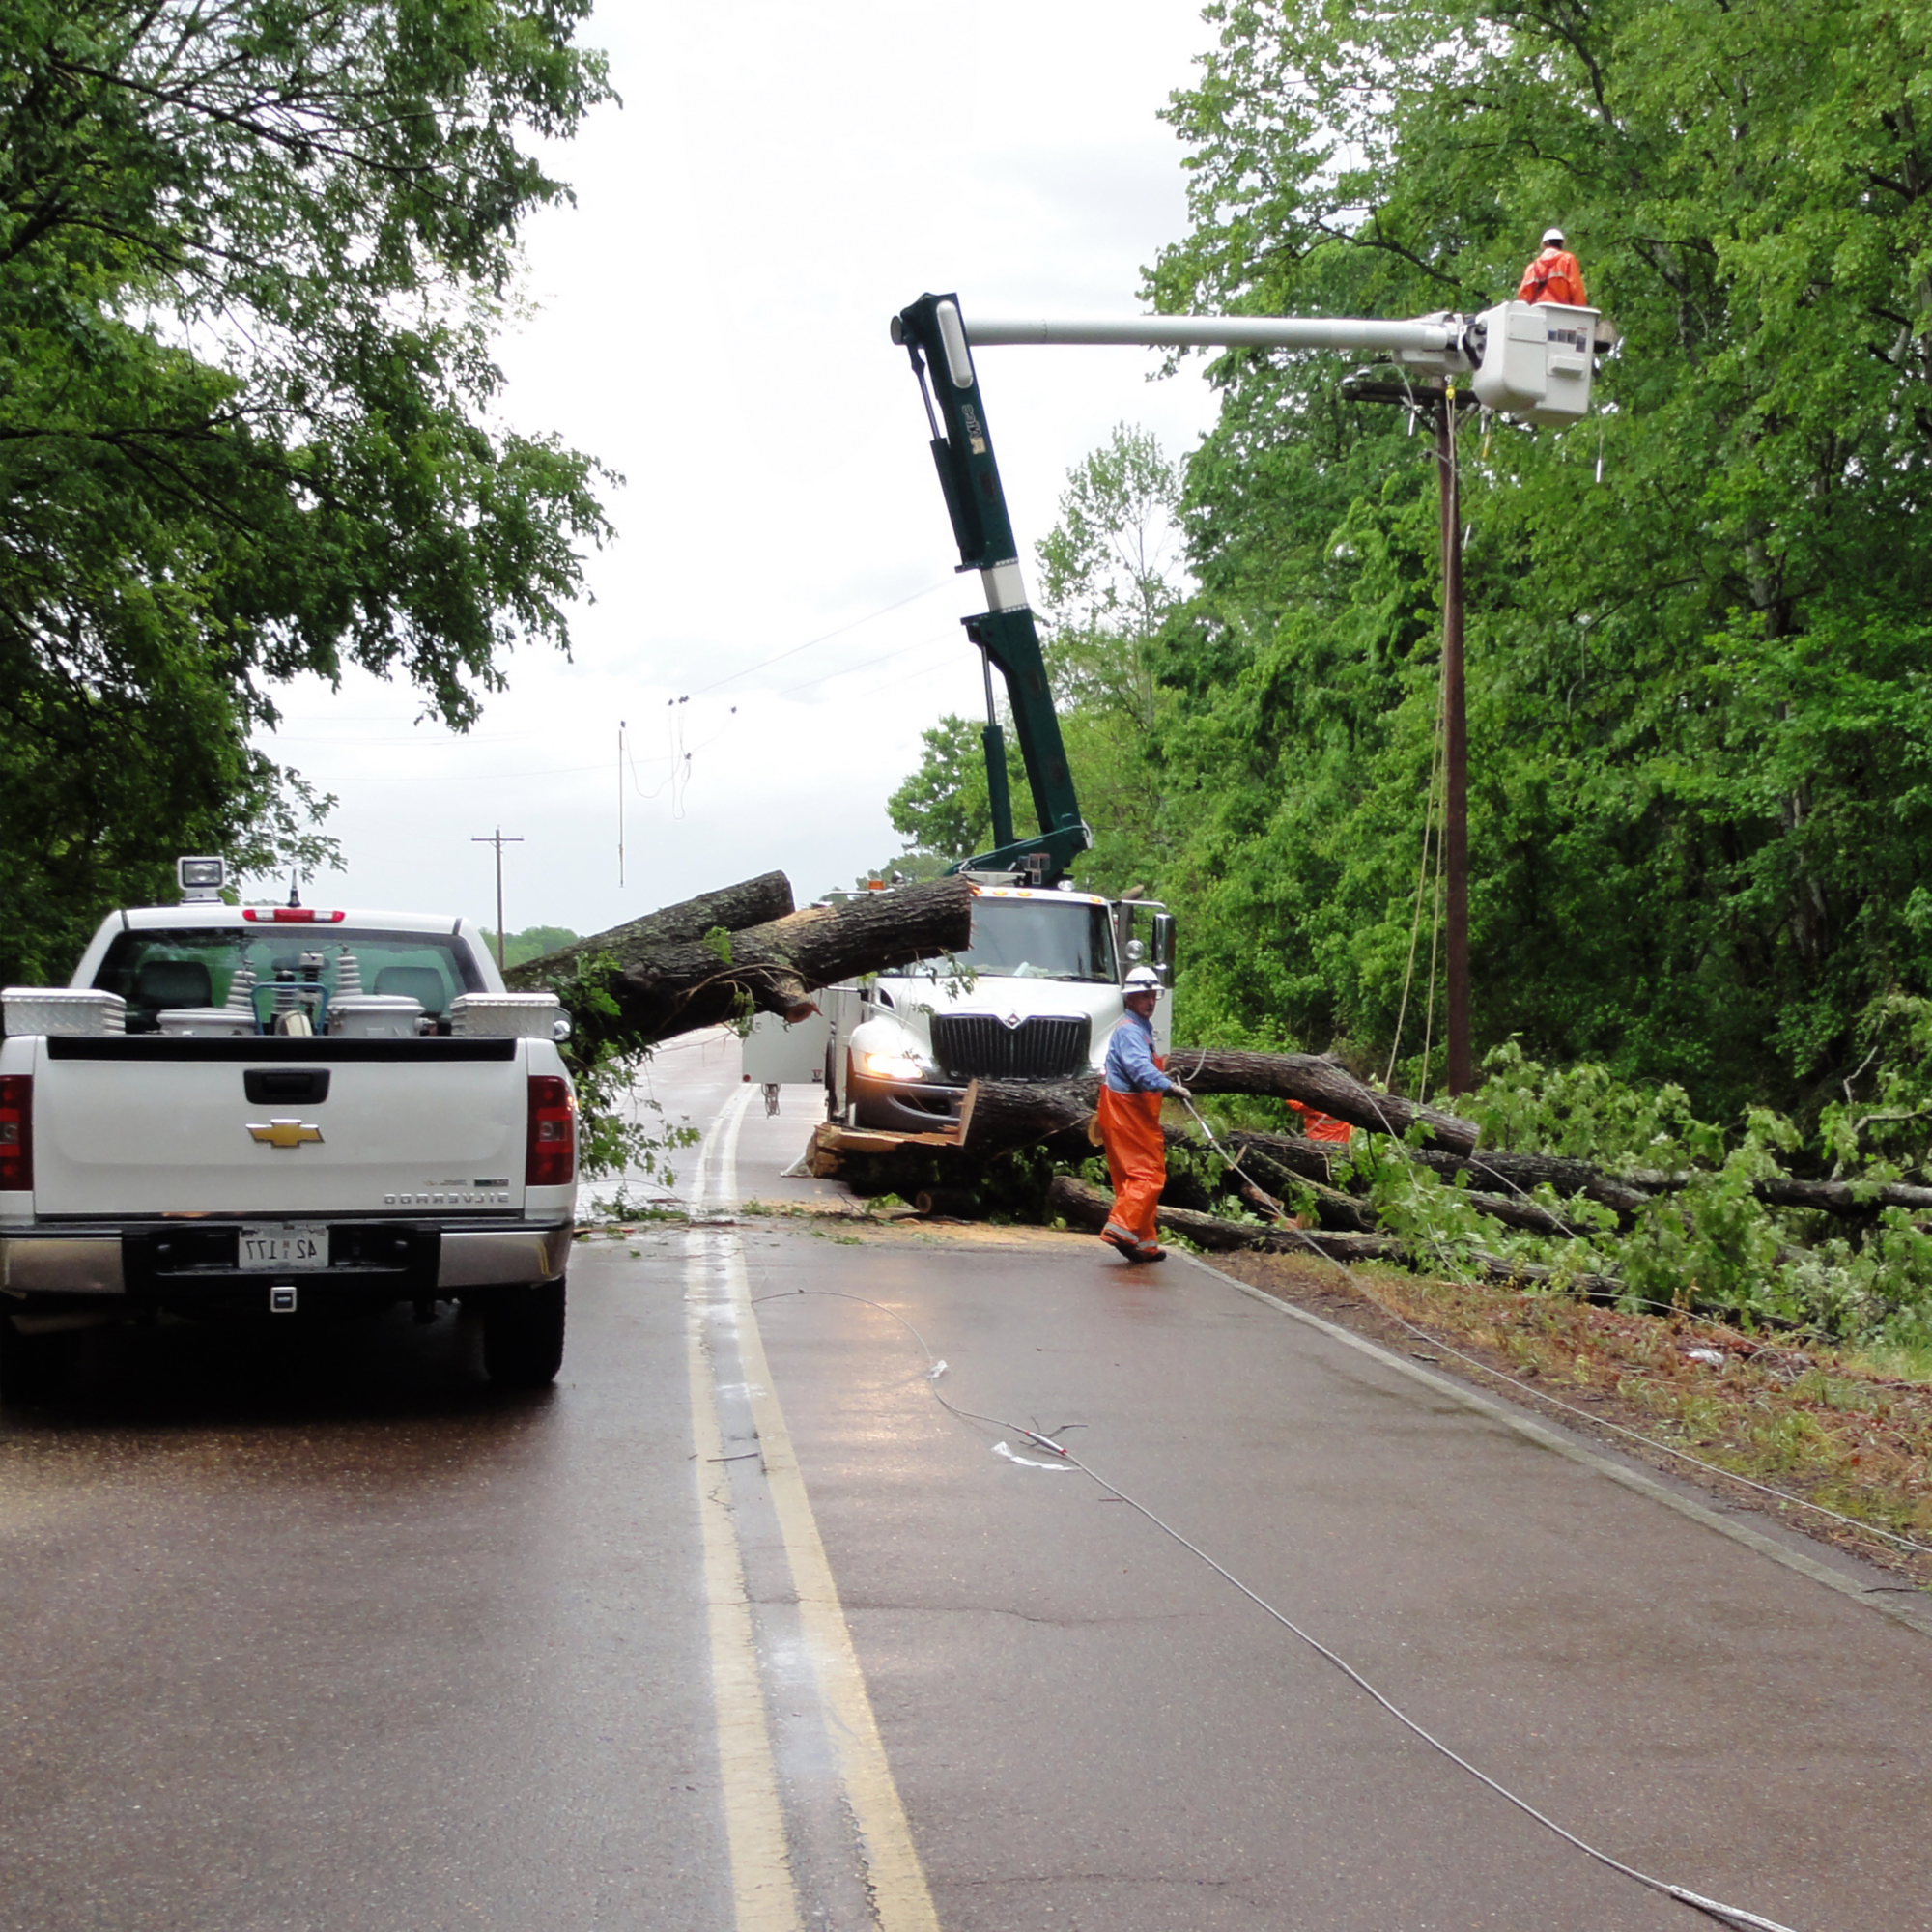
[497, 839]
[1455, 750]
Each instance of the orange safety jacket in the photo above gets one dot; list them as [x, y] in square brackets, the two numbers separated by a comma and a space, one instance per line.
[1317, 1126]
[1554, 277]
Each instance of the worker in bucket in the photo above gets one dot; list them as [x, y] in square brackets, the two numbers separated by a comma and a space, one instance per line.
[1132, 1083]
[1554, 277]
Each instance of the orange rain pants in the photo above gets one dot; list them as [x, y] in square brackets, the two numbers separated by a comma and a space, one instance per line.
[1136, 1165]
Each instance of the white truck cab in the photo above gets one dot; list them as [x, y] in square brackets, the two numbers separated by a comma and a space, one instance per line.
[1036, 996]
[250, 1110]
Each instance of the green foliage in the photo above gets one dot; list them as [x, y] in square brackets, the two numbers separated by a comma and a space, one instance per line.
[1710, 1243]
[250, 260]
[532, 943]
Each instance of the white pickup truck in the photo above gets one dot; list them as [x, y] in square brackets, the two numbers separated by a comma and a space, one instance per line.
[235, 1110]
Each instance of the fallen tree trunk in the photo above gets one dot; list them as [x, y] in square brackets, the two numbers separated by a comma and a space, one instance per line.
[749, 902]
[1292, 1159]
[658, 987]
[1011, 1113]
[1311, 1159]
[1625, 1194]
[1084, 1207]
[1315, 1082]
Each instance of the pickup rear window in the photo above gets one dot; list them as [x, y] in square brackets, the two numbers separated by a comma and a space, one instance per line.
[196, 966]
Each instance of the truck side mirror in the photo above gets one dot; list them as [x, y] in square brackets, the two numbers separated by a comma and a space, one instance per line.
[1163, 945]
[1135, 951]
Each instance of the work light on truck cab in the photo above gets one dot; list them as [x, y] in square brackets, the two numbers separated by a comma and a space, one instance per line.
[200, 880]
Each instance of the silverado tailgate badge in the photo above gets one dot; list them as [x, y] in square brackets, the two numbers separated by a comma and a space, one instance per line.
[284, 1133]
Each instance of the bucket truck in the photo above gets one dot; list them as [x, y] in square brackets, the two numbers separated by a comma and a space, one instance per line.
[1038, 992]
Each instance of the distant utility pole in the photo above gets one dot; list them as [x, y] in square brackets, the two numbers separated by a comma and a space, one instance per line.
[1442, 404]
[497, 839]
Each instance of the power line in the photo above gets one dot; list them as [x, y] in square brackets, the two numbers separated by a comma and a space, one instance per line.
[884, 609]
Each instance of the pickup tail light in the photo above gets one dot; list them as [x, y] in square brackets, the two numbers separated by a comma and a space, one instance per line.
[291, 915]
[16, 1133]
[551, 1156]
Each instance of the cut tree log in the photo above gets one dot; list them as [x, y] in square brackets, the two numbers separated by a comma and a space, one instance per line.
[657, 984]
[1001, 1114]
[1084, 1207]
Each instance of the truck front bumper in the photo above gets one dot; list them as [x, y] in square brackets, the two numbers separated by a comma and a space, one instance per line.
[906, 1107]
[181, 1262]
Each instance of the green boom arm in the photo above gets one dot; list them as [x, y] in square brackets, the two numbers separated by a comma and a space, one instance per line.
[933, 335]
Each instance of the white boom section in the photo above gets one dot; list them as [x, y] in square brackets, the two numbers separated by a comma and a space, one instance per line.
[1532, 362]
[1432, 335]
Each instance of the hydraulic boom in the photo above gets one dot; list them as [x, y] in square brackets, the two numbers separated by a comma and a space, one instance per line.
[1530, 361]
[963, 448]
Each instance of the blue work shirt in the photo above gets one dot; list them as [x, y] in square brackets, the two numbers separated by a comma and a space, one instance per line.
[1129, 1066]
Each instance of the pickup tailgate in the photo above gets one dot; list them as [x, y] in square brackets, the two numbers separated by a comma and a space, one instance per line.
[149, 1124]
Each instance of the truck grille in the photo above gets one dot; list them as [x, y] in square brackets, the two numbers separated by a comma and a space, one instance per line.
[972, 1046]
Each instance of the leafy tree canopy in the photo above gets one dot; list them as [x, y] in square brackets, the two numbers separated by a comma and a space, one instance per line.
[251, 252]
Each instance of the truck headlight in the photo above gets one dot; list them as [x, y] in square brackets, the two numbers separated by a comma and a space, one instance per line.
[891, 1066]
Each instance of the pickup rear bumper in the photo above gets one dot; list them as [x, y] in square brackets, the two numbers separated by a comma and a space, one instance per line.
[182, 1261]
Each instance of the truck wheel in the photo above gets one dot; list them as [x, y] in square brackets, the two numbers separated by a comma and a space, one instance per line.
[831, 1083]
[523, 1335]
[36, 1366]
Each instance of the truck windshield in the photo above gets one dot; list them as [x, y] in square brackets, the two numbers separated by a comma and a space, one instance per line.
[1041, 939]
[196, 966]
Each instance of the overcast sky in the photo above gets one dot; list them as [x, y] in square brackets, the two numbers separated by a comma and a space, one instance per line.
[710, 321]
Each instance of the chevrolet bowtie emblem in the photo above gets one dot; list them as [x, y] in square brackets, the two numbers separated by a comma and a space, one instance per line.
[284, 1133]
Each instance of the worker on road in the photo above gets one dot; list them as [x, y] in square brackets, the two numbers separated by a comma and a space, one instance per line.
[1132, 1084]
[1555, 275]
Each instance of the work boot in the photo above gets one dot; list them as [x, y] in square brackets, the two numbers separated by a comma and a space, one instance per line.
[1116, 1237]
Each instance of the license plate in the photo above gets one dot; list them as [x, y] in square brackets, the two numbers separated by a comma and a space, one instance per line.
[284, 1244]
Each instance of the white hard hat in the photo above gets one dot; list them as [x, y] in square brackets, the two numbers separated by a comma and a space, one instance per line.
[1551, 235]
[1143, 979]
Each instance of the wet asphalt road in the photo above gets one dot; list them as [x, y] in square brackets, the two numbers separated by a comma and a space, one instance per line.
[312, 1630]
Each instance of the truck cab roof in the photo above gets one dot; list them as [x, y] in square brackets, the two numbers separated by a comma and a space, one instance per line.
[1057, 896]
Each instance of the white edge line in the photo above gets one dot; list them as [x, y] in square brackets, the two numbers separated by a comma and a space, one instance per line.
[1545, 1437]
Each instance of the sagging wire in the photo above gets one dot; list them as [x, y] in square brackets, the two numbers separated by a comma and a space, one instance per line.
[1428, 827]
[934, 1367]
[1288, 1226]
[1729, 1915]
